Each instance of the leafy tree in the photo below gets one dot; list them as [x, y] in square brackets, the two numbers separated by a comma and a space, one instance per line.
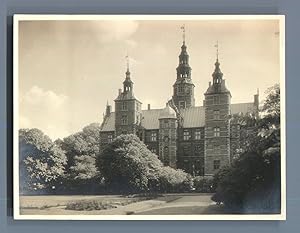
[41, 161]
[252, 183]
[81, 149]
[127, 164]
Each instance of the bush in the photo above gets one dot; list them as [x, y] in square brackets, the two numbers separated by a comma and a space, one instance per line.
[204, 184]
[171, 180]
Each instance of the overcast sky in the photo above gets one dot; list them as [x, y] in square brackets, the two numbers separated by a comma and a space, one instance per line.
[69, 69]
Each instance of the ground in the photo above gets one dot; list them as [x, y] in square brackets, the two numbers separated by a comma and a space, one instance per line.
[182, 203]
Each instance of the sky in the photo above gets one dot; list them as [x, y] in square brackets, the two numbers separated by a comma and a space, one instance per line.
[68, 70]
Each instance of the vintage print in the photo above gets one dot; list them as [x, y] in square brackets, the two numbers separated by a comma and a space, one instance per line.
[143, 117]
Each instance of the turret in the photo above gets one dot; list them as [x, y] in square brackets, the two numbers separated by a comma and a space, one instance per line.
[167, 136]
[127, 108]
[217, 126]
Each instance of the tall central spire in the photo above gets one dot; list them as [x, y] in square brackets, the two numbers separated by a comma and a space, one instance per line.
[183, 88]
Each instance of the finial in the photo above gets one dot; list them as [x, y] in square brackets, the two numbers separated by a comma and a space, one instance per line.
[127, 61]
[257, 91]
[107, 103]
[217, 46]
[183, 33]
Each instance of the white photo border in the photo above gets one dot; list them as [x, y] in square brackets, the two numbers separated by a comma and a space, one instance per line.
[34, 17]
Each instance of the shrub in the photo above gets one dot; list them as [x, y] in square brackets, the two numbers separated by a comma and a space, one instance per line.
[203, 184]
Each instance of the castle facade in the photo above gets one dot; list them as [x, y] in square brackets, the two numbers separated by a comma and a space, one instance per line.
[197, 139]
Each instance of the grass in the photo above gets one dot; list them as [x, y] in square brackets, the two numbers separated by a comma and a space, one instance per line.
[89, 205]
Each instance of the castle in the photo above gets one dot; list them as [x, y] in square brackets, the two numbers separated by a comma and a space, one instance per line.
[197, 139]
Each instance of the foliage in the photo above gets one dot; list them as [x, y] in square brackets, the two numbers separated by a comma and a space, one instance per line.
[253, 181]
[171, 180]
[41, 161]
[203, 184]
[81, 149]
[128, 164]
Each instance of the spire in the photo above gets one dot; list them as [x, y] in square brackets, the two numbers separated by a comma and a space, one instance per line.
[183, 33]
[217, 74]
[127, 66]
[128, 84]
[217, 52]
[183, 69]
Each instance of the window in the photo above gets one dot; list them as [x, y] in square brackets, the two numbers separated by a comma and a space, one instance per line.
[153, 136]
[216, 99]
[216, 115]
[180, 89]
[186, 150]
[166, 151]
[124, 120]
[217, 132]
[197, 148]
[198, 134]
[181, 104]
[153, 150]
[216, 164]
[109, 138]
[166, 123]
[137, 107]
[186, 135]
[124, 106]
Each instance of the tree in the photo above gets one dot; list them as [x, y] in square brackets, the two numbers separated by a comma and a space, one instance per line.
[127, 164]
[81, 149]
[41, 161]
[252, 183]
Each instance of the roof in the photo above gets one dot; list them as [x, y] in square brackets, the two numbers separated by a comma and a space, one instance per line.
[108, 123]
[167, 113]
[193, 117]
[242, 108]
[217, 88]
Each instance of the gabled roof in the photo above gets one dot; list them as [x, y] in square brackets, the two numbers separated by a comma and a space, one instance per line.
[193, 117]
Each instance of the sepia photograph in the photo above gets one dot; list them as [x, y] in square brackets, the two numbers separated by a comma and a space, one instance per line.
[149, 117]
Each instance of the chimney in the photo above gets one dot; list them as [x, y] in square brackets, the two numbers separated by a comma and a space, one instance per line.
[209, 84]
[120, 91]
[256, 100]
[149, 107]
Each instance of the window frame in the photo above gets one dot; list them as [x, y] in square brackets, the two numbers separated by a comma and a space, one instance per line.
[124, 106]
[217, 164]
[124, 120]
[217, 132]
[198, 134]
[153, 137]
[186, 135]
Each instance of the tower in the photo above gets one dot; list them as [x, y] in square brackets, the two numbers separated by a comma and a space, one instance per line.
[127, 108]
[217, 124]
[183, 88]
[168, 136]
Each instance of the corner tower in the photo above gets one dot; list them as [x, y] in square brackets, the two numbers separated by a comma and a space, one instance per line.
[127, 108]
[217, 125]
[183, 88]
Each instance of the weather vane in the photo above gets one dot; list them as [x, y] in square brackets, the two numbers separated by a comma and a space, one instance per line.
[183, 32]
